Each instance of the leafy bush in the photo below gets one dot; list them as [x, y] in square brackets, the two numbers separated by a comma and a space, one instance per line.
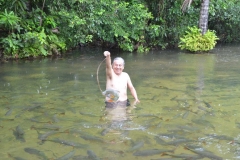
[9, 21]
[194, 41]
[225, 20]
[105, 23]
[27, 37]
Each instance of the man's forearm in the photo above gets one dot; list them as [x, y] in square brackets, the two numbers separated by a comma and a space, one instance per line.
[108, 64]
[134, 93]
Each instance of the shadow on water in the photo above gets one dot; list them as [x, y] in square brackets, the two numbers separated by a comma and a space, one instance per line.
[53, 108]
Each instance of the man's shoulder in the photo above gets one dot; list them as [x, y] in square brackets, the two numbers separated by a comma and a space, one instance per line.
[125, 74]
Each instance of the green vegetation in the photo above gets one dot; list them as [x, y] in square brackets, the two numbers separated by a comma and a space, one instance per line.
[225, 20]
[30, 28]
[194, 41]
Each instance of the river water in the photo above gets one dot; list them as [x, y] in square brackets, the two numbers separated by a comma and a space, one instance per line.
[52, 108]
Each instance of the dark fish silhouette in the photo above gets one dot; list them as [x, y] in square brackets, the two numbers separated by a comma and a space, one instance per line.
[68, 143]
[150, 152]
[44, 136]
[9, 112]
[67, 156]
[92, 155]
[205, 153]
[19, 133]
[92, 138]
[137, 145]
[35, 152]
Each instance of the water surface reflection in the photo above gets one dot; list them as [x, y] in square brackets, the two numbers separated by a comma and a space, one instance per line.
[53, 109]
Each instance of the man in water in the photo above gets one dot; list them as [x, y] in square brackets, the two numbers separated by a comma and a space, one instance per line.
[118, 81]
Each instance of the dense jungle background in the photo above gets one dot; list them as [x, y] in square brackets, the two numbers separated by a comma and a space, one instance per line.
[30, 28]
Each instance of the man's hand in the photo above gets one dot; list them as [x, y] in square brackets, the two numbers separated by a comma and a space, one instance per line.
[136, 102]
[106, 53]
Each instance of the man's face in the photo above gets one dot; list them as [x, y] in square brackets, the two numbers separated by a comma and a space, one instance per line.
[118, 67]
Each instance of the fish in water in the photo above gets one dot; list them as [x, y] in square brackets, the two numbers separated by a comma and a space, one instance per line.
[203, 123]
[105, 131]
[203, 153]
[160, 140]
[186, 156]
[112, 94]
[9, 112]
[207, 104]
[68, 143]
[31, 108]
[136, 146]
[47, 126]
[92, 138]
[221, 137]
[18, 158]
[19, 134]
[151, 152]
[35, 152]
[92, 155]
[44, 136]
[80, 157]
[67, 156]
[178, 141]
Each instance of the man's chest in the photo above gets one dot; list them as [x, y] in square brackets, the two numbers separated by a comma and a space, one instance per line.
[119, 82]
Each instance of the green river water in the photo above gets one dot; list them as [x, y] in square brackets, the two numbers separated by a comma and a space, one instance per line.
[52, 108]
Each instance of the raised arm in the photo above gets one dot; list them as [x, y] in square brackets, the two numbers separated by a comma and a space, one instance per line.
[108, 64]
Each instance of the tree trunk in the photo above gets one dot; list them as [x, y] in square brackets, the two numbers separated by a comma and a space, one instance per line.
[203, 19]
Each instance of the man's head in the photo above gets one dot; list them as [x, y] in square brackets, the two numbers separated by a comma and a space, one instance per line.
[118, 65]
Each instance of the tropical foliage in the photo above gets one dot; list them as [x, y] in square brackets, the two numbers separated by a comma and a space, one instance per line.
[225, 20]
[42, 28]
[194, 41]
